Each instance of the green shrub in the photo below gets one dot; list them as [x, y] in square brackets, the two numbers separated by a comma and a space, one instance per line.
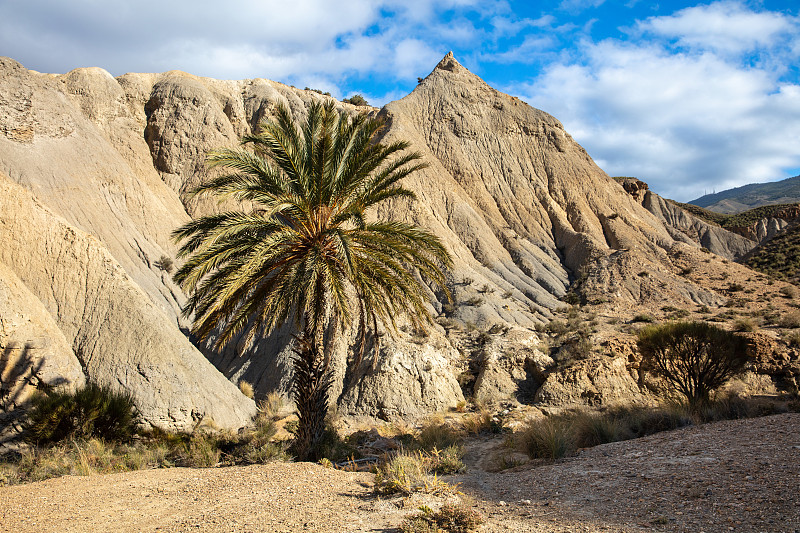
[91, 411]
[356, 100]
[694, 358]
[447, 461]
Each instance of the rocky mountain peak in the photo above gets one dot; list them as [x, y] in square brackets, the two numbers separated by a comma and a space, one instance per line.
[449, 63]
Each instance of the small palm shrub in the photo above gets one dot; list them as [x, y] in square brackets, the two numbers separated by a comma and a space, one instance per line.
[91, 411]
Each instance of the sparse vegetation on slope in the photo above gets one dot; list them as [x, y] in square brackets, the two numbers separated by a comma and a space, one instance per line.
[753, 195]
[779, 258]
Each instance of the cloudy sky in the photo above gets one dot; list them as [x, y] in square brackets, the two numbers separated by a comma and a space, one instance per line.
[689, 97]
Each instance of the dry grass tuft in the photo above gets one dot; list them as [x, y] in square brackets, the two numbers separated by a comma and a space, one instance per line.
[409, 472]
[246, 389]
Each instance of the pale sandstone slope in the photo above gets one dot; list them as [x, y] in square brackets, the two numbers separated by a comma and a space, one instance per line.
[528, 204]
[685, 227]
[59, 153]
[116, 157]
[119, 336]
[33, 350]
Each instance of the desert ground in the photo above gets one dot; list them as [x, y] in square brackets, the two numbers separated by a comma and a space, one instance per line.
[741, 476]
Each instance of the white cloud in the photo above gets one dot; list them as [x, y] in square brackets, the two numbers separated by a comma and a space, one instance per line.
[683, 122]
[575, 6]
[723, 27]
[243, 39]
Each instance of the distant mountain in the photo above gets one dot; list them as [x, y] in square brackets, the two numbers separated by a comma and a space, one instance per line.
[749, 196]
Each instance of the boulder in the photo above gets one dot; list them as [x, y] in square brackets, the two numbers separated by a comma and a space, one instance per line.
[598, 381]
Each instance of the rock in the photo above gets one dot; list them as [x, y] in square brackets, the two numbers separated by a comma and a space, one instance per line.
[119, 336]
[512, 367]
[711, 237]
[596, 381]
[406, 381]
[71, 165]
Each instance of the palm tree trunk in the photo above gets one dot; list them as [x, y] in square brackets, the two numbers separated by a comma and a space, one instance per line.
[310, 390]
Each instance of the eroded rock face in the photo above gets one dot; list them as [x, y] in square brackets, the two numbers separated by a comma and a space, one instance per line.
[72, 164]
[119, 336]
[685, 225]
[512, 367]
[766, 228]
[596, 381]
[33, 350]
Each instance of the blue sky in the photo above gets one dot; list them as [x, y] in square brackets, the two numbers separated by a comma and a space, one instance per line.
[689, 97]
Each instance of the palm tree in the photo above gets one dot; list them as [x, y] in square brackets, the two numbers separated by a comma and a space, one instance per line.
[306, 251]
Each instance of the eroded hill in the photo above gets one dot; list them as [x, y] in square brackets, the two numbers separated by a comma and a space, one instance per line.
[105, 165]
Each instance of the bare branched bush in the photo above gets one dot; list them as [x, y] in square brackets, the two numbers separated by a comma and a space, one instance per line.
[694, 358]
